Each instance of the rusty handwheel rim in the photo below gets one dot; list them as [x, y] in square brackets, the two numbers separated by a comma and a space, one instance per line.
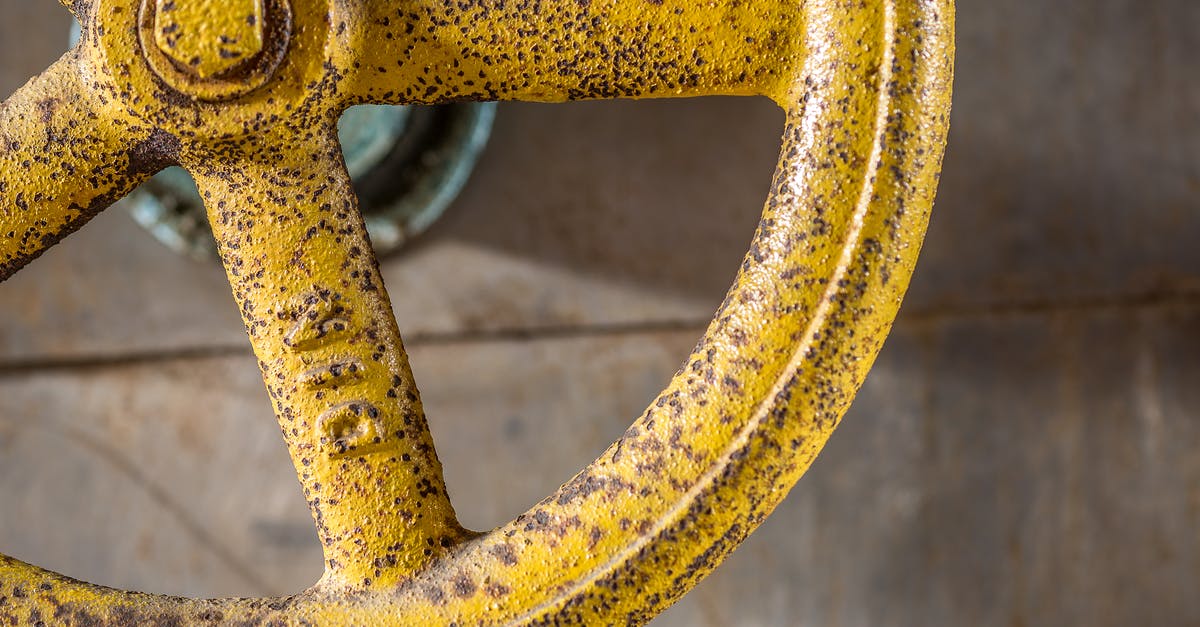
[866, 89]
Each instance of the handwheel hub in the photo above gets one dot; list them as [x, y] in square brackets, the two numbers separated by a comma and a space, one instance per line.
[289, 82]
[214, 50]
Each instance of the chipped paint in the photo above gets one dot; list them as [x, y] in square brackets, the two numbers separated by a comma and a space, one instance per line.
[866, 89]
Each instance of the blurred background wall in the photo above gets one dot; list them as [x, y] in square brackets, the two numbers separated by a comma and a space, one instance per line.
[1026, 451]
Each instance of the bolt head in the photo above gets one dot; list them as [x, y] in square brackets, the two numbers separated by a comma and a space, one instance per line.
[209, 38]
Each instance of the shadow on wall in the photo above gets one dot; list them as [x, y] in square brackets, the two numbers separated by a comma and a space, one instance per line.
[663, 194]
[1071, 175]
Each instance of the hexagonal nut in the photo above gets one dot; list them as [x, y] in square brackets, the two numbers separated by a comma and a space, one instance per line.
[209, 37]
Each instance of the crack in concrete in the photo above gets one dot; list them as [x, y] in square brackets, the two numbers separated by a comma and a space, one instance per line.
[27, 366]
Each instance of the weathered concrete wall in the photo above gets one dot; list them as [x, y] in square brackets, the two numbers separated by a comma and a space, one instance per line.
[1025, 452]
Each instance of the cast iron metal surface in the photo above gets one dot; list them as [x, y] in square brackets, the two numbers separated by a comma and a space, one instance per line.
[866, 90]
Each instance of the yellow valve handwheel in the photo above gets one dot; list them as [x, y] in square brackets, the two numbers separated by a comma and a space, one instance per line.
[245, 95]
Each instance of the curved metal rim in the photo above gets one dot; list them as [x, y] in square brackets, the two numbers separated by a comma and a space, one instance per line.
[702, 467]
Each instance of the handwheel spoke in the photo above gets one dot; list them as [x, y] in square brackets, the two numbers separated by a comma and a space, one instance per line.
[302, 270]
[429, 51]
[62, 162]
